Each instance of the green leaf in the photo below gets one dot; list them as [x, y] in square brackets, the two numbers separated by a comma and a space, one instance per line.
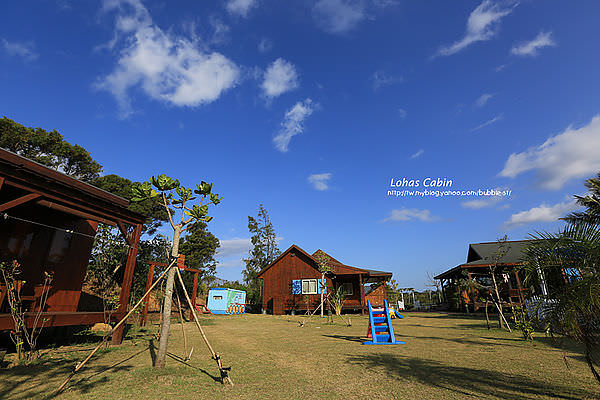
[203, 188]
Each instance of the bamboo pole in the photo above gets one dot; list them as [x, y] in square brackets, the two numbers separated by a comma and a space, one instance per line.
[121, 322]
[215, 356]
[313, 313]
[182, 326]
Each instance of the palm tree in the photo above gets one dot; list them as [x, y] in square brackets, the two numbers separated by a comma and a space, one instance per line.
[571, 259]
[591, 202]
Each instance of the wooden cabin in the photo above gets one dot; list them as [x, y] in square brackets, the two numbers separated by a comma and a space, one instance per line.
[291, 283]
[509, 276]
[47, 224]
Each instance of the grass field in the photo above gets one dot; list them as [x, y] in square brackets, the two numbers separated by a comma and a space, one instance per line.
[445, 357]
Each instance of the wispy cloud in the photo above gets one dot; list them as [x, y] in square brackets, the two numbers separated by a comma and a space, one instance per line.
[232, 247]
[482, 25]
[483, 99]
[339, 16]
[411, 214]
[542, 213]
[168, 68]
[265, 45]
[571, 154]
[240, 8]
[380, 79]
[484, 202]
[320, 181]
[402, 112]
[417, 154]
[24, 50]
[543, 39]
[293, 124]
[488, 122]
[280, 77]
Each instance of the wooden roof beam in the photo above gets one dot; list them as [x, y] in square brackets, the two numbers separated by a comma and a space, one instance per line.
[21, 200]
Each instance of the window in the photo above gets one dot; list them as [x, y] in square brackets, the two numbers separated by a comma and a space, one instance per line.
[218, 297]
[348, 288]
[309, 286]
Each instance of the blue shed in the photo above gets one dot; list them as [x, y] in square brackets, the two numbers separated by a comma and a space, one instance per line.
[226, 301]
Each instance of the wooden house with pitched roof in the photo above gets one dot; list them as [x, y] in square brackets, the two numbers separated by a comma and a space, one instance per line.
[291, 283]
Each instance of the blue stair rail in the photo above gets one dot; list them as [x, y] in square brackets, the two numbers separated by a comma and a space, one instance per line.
[383, 332]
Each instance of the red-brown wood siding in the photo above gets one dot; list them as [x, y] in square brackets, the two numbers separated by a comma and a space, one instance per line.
[377, 296]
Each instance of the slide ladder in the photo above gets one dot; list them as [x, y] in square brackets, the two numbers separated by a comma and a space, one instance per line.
[381, 330]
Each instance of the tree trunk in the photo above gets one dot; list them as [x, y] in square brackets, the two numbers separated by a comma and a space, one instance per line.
[321, 283]
[161, 355]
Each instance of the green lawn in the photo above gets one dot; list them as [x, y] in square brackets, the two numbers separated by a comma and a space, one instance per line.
[445, 357]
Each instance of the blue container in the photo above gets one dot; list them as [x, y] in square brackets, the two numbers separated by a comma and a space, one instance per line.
[226, 301]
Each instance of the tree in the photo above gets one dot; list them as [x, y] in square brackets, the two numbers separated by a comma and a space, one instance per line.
[163, 187]
[591, 202]
[199, 247]
[264, 251]
[49, 149]
[570, 260]
[152, 207]
[323, 264]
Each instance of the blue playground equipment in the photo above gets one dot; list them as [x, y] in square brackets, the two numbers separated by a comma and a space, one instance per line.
[380, 329]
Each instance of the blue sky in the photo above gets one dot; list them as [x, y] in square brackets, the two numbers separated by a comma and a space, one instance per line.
[313, 107]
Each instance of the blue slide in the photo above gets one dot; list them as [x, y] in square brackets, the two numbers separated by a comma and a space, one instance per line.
[398, 315]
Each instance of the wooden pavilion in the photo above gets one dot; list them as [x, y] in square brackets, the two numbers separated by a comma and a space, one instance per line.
[509, 276]
[47, 224]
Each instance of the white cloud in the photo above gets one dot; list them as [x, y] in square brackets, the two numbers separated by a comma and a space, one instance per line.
[483, 99]
[280, 77]
[482, 25]
[233, 247]
[240, 8]
[23, 50]
[411, 214]
[543, 39]
[488, 122]
[320, 181]
[338, 16]
[417, 154]
[484, 202]
[293, 124]
[402, 113]
[543, 213]
[571, 154]
[168, 68]
[381, 79]
[265, 45]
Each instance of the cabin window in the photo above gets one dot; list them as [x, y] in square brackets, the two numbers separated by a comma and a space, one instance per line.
[218, 297]
[309, 286]
[348, 288]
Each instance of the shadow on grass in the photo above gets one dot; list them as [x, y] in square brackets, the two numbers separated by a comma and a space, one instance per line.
[358, 339]
[464, 380]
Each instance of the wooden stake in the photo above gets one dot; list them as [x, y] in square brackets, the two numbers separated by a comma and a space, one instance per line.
[313, 313]
[82, 363]
[182, 327]
[215, 356]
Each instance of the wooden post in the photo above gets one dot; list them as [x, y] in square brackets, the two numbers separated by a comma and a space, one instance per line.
[148, 284]
[117, 335]
[194, 292]
[521, 297]
[362, 294]
[1, 181]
